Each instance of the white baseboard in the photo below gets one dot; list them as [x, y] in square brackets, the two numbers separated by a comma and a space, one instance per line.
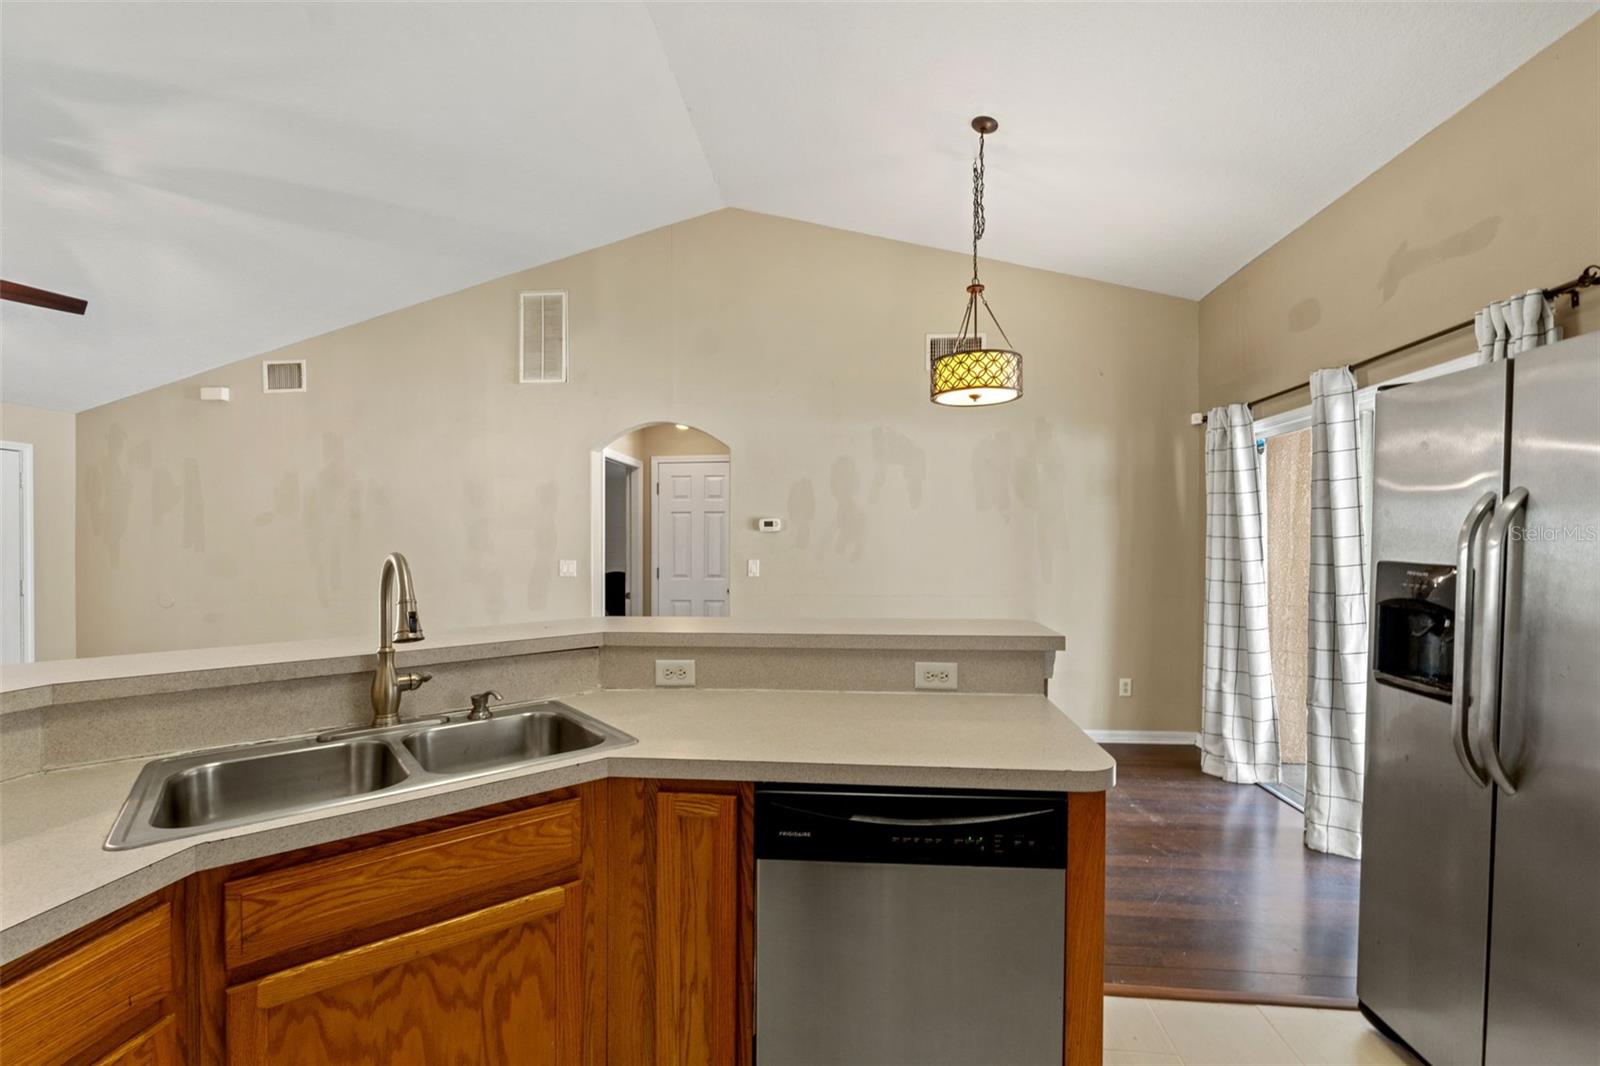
[1143, 736]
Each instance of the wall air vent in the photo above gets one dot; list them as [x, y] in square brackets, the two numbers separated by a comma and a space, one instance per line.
[283, 375]
[943, 344]
[542, 340]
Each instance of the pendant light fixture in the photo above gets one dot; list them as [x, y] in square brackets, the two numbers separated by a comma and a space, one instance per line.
[974, 375]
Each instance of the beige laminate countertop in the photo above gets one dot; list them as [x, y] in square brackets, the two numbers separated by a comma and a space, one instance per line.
[55, 876]
[25, 686]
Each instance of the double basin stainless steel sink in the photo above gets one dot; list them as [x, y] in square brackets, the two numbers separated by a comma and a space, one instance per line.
[206, 790]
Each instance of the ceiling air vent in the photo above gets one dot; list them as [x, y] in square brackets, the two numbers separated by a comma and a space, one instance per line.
[945, 343]
[283, 375]
[542, 344]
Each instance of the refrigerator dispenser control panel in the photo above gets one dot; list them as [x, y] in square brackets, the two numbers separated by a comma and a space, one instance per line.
[1416, 615]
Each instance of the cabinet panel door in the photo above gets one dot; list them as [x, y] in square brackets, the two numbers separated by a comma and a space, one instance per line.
[104, 986]
[697, 922]
[502, 984]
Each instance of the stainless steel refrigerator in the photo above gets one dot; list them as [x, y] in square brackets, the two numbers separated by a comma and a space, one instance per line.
[1480, 876]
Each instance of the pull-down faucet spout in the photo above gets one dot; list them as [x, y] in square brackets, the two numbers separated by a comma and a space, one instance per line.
[398, 622]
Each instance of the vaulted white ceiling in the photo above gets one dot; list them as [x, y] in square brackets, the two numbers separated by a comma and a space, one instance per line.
[222, 179]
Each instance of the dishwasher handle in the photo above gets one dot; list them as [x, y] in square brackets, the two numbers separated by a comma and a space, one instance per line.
[981, 819]
[911, 826]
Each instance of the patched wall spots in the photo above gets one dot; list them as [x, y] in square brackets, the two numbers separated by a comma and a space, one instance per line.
[991, 474]
[164, 495]
[285, 500]
[1305, 314]
[849, 528]
[802, 509]
[332, 516]
[108, 494]
[1407, 260]
[891, 448]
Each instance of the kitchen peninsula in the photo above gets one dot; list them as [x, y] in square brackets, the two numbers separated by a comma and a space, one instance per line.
[604, 893]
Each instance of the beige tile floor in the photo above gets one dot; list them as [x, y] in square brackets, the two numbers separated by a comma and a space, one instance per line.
[1168, 1032]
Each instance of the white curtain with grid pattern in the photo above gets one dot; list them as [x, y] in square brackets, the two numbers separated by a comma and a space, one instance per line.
[1239, 719]
[1336, 651]
[1515, 324]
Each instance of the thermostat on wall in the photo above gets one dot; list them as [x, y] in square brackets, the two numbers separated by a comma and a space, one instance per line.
[769, 525]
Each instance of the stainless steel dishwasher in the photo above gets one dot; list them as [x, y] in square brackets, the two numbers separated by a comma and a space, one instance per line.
[909, 926]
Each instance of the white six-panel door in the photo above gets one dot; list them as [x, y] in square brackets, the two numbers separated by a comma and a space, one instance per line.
[689, 521]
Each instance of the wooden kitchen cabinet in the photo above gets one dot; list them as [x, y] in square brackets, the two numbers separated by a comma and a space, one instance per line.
[681, 923]
[111, 993]
[503, 984]
[472, 938]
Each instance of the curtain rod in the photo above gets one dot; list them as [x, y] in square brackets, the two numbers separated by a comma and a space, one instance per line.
[1590, 276]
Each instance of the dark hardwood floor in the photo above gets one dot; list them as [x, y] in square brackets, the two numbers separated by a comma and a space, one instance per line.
[1210, 893]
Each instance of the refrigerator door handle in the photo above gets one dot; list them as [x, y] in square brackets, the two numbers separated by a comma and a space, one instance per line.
[1487, 748]
[1466, 597]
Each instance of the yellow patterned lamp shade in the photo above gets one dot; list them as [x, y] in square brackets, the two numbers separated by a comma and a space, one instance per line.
[978, 377]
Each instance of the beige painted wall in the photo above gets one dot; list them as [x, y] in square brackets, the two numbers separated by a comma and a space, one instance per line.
[664, 439]
[1502, 197]
[54, 439]
[799, 346]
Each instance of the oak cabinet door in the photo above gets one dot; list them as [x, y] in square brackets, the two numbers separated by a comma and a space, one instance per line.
[697, 919]
[499, 985]
[123, 979]
[679, 923]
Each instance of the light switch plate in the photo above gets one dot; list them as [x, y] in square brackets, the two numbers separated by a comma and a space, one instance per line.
[569, 568]
[936, 675]
[754, 568]
[674, 673]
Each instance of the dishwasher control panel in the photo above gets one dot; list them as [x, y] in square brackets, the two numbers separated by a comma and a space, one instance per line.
[918, 826]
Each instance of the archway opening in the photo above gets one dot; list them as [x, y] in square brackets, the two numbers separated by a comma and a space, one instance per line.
[662, 520]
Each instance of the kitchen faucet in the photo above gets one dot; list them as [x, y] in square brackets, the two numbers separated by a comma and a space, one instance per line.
[387, 686]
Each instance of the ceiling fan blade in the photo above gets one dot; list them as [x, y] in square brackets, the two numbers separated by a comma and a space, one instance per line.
[27, 294]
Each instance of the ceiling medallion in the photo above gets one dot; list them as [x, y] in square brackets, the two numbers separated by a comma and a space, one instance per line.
[974, 375]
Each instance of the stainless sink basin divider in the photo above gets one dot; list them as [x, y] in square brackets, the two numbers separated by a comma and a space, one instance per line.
[202, 791]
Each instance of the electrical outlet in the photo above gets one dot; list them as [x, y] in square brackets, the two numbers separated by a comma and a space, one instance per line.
[936, 675]
[674, 673]
[1124, 686]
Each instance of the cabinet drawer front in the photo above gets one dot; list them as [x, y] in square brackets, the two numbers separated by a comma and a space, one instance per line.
[65, 1007]
[271, 913]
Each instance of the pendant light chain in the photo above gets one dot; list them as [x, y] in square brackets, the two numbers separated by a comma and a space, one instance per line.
[979, 225]
[978, 220]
